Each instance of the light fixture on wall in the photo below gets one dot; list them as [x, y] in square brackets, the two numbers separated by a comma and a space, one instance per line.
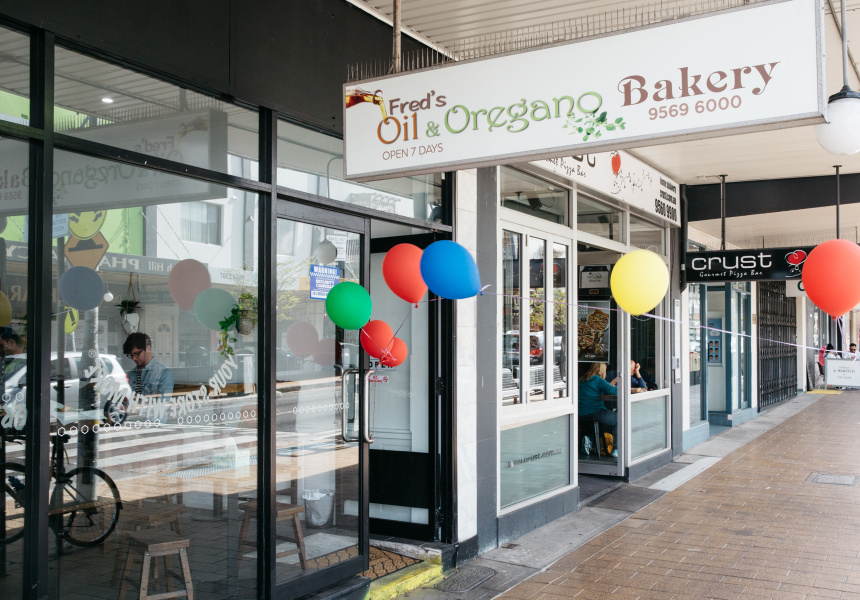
[841, 133]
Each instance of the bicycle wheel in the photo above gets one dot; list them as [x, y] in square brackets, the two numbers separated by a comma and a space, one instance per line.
[13, 492]
[85, 506]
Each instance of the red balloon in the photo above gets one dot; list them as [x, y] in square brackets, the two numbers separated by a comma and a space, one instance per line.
[830, 276]
[327, 352]
[401, 269]
[187, 279]
[395, 353]
[302, 338]
[375, 336]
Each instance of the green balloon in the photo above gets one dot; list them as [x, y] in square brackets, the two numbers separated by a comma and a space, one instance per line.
[348, 305]
[213, 306]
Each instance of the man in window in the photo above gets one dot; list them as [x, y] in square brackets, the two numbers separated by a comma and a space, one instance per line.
[637, 382]
[149, 377]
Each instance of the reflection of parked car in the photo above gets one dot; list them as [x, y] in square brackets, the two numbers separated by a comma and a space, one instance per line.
[512, 348]
[16, 382]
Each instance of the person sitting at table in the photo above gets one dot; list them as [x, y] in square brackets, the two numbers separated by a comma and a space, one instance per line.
[149, 377]
[637, 382]
[592, 385]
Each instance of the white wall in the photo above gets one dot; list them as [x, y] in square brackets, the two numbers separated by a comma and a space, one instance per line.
[467, 465]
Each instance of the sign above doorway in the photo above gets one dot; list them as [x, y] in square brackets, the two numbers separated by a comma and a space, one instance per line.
[758, 264]
[664, 83]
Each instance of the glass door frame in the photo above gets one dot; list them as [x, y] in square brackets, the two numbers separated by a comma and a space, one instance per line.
[622, 358]
[403, 529]
[294, 209]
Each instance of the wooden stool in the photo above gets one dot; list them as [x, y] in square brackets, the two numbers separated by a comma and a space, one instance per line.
[284, 511]
[152, 544]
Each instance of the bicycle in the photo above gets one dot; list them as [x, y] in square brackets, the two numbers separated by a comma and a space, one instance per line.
[84, 502]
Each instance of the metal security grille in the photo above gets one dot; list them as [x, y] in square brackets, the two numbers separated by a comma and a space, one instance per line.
[777, 362]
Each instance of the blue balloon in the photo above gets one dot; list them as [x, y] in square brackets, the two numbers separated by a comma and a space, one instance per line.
[450, 271]
[81, 288]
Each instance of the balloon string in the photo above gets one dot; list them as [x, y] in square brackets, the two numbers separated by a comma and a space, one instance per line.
[382, 351]
[652, 316]
[399, 328]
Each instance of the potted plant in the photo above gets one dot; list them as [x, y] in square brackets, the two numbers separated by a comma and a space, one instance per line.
[128, 309]
[225, 340]
[247, 313]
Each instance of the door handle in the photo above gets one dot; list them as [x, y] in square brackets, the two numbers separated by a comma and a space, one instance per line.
[344, 397]
[365, 430]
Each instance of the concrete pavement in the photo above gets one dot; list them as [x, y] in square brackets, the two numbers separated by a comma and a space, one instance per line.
[759, 510]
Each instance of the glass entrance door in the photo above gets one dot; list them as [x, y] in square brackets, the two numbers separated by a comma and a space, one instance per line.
[321, 456]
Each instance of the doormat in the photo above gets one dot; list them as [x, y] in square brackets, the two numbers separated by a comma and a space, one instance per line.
[465, 579]
[385, 562]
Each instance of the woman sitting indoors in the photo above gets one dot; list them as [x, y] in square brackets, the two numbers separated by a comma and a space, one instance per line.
[592, 385]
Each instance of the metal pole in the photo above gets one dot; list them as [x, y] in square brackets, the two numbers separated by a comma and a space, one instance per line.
[844, 52]
[722, 212]
[396, 52]
[838, 191]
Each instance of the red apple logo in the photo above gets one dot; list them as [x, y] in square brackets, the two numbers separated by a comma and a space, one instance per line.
[796, 257]
[616, 163]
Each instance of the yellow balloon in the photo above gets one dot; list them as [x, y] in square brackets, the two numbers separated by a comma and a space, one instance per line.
[639, 281]
[5, 310]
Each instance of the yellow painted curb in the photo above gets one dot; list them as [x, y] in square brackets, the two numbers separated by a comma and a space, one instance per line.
[402, 581]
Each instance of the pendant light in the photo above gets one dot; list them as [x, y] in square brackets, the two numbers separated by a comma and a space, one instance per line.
[841, 133]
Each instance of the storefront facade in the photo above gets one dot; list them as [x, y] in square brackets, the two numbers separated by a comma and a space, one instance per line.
[162, 219]
[560, 225]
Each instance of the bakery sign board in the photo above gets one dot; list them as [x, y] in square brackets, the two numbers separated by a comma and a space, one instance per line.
[738, 73]
[757, 264]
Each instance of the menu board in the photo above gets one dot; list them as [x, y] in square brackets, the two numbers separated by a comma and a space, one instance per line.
[593, 324]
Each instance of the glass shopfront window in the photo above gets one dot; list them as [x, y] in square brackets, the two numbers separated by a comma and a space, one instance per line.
[534, 459]
[312, 162]
[14, 77]
[532, 196]
[511, 310]
[599, 219]
[650, 422]
[696, 297]
[647, 235]
[538, 371]
[154, 360]
[104, 103]
[13, 370]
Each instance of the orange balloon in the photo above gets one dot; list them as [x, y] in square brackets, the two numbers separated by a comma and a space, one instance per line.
[830, 276]
[375, 336]
[401, 269]
[395, 353]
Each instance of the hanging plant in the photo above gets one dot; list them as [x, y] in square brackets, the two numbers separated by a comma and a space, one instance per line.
[128, 308]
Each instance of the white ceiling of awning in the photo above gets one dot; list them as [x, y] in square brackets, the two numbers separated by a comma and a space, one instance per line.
[786, 153]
